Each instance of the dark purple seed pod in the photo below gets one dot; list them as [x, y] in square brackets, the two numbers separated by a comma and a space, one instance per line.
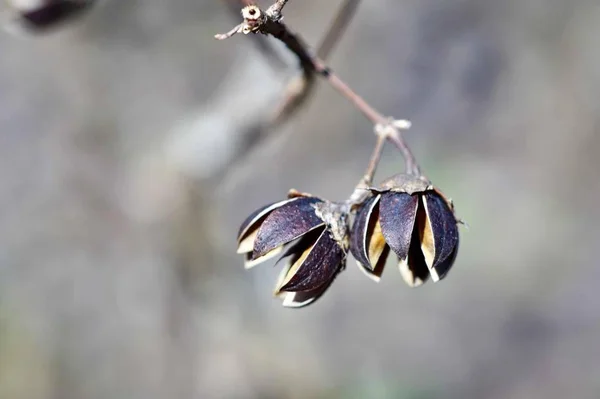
[439, 235]
[415, 221]
[249, 230]
[314, 232]
[299, 299]
[40, 16]
[285, 224]
[413, 268]
[315, 266]
[397, 214]
[368, 244]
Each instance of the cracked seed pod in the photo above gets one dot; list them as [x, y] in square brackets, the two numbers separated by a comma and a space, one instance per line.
[413, 219]
[315, 233]
[36, 16]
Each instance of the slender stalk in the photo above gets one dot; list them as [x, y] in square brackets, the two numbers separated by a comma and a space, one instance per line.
[367, 179]
[392, 132]
[299, 88]
[411, 165]
[236, 29]
[269, 22]
[341, 21]
[360, 103]
[277, 7]
[338, 84]
[362, 192]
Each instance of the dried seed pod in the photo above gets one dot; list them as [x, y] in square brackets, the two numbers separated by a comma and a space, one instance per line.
[249, 230]
[368, 244]
[36, 16]
[413, 219]
[285, 224]
[315, 232]
[299, 299]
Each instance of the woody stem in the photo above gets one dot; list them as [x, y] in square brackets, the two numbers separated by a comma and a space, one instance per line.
[411, 165]
[269, 22]
[367, 179]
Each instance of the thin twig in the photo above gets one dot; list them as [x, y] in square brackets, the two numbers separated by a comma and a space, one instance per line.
[297, 91]
[261, 22]
[276, 8]
[362, 190]
[300, 87]
[337, 83]
[264, 45]
[269, 22]
[391, 126]
[367, 179]
[236, 29]
[391, 131]
[337, 29]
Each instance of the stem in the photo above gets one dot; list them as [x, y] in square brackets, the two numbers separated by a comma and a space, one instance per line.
[295, 44]
[392, 134]
[386, 128]
[300, 88]
[411, 165]
[233, 31]
[341, 21]
[361, 192]
[360, 103]
[367, 179]
[276, 8]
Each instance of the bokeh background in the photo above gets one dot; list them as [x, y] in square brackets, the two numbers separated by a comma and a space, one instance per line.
[121, 192]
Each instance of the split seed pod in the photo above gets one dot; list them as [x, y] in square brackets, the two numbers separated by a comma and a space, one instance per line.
[316, 239]
[413, 219]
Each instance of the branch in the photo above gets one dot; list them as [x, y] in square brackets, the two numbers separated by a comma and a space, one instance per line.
[297, 91]
[269, 23]
[264, 46]
[276, 8]
[341, 21]
[301, 87]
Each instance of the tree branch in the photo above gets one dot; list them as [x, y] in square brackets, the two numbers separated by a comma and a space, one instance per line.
[264, 45]
[345, 13]
[276, 8]
[297, 91]
[269, 23]
[300, 87]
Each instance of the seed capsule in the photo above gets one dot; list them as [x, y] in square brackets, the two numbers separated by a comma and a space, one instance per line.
[314, 232]
[413, 219]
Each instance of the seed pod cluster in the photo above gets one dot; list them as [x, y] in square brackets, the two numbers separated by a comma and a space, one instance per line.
[314, 234]
[406, 216]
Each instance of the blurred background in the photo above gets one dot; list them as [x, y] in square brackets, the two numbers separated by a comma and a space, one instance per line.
[122, 188]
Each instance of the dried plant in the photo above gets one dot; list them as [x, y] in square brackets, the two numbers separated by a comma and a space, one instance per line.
[405, 214]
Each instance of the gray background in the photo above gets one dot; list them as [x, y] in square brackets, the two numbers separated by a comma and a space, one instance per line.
[119, 205]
